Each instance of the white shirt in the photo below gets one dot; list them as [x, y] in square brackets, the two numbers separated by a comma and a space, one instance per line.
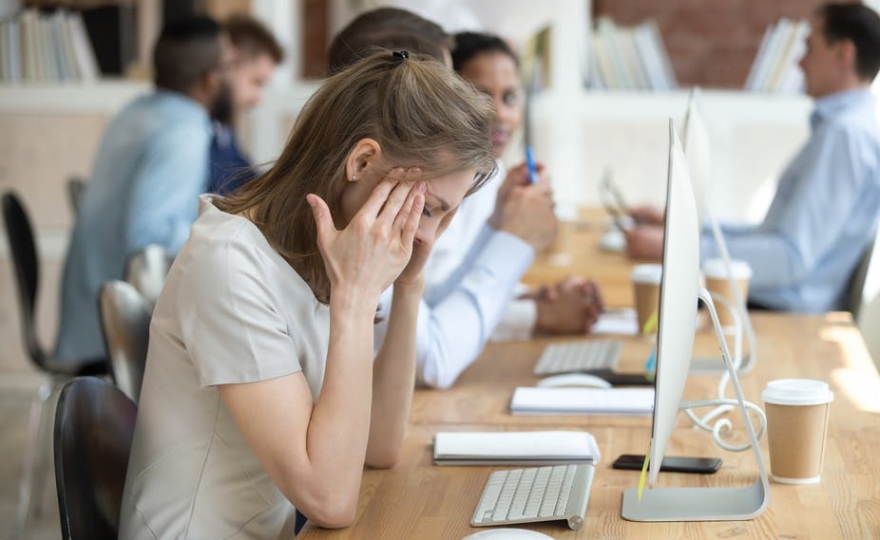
[231, 311]
[470, 281]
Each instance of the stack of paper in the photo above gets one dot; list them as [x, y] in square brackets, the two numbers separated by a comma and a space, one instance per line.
[529, 400]
[515, 448]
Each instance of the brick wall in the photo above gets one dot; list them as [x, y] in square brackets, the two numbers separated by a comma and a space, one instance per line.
[712, 43]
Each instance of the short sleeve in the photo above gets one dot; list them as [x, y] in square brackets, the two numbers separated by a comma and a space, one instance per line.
[231, 324]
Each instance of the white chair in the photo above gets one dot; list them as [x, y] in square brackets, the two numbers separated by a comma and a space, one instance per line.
[125, 322]
[146, 270]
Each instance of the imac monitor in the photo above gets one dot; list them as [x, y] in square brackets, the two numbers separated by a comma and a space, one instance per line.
[698, 155]
[697, 151]
[679, 291]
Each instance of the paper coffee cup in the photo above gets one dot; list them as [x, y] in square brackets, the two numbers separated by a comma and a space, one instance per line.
[717, 281]
[646, 290]
[797, 424]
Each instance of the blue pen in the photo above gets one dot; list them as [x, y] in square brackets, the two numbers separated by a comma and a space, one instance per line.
[530, 162]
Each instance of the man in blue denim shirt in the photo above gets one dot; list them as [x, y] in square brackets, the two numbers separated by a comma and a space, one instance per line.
[151, 166]
[826, 208]
[257, 53]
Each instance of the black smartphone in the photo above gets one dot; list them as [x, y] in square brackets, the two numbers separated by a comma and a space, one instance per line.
[699, 465]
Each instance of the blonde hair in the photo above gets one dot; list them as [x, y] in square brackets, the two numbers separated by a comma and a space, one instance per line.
[418, 110]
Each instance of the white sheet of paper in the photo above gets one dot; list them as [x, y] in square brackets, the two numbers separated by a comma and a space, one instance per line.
[622, 322]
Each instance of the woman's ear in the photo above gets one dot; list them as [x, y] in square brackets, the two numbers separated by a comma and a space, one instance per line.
[362, 159]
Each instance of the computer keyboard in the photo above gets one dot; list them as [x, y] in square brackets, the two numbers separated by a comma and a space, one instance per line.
[536, 494]
[579, 356]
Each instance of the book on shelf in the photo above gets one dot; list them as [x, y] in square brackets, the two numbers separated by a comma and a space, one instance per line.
[46, 48]
[629, 58]
[515, 448]
[775, 68]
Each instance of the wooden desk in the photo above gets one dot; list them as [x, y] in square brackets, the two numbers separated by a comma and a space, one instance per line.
[417, 500]
[576, 252]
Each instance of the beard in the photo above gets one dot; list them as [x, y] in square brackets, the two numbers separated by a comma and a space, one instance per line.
[221, 110]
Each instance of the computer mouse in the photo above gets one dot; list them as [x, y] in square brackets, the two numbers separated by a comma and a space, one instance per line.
[612, 240]
[573, 379]
[507, 534]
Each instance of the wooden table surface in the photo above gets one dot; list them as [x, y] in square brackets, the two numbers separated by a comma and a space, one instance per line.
[417, 500]
[576, 252]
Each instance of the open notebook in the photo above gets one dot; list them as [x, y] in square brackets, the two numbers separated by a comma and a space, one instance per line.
[515, 448]
[624, 401]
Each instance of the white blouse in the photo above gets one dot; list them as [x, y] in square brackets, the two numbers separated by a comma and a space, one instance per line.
[232, 311]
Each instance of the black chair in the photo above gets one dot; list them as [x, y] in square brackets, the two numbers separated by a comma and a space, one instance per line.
[856, 295]
[94, 426]
[27, 274]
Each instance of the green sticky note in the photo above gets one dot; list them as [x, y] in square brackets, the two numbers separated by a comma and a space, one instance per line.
[650, 324]
[644, 474]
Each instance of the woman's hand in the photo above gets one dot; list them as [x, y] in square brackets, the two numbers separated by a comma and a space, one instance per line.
[648, 215]
[570, 306]
[645, 243]
[525, 210]
[370, 253]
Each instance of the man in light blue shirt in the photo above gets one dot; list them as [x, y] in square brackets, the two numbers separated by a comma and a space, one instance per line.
[826, 208]
[151, 166]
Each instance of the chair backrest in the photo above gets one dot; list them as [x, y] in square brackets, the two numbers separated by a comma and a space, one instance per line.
[75, 188]
[125, 322]
[147, 269]
[94, 425]
[857, 295]
[27, 272]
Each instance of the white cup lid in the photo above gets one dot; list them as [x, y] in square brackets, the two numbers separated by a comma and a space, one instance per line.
[647, 273]
[797, 392]
[716, 269]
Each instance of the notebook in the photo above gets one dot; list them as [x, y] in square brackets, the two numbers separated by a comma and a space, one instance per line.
[622, 401]
[515, 448]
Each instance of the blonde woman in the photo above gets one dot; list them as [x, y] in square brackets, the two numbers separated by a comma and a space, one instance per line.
[261, 393]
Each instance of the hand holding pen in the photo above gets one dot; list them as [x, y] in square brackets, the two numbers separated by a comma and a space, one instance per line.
[532, 166]
[525, 209]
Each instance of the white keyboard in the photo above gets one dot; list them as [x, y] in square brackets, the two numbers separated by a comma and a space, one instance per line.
[579, 357]
[536, 494]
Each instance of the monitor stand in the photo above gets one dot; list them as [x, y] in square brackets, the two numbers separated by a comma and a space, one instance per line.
[706, 503]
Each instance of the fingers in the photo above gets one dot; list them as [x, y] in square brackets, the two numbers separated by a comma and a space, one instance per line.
[411, 225]
[323, 219]
[377, 198]
[404, 215]
[397, 208]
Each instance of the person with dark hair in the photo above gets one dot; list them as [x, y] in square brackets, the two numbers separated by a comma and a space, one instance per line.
[151, 166]
[827, 205]
[262, 394]
[387, 28]
[257, 52]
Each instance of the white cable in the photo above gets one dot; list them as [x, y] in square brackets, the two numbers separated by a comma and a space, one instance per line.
[737, 295]
[724, 424]
[725, 376]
